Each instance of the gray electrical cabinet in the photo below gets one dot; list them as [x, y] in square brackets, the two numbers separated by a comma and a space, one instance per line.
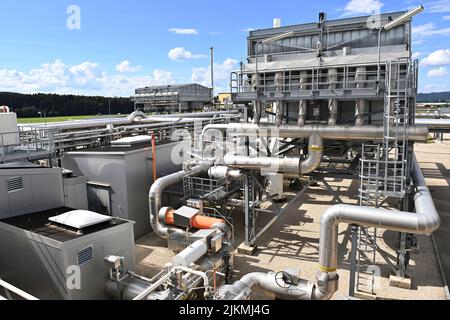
[53, 261]
[120, 177]
[27, 188]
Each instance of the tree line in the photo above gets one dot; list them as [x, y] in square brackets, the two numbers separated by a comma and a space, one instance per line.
[54, 105]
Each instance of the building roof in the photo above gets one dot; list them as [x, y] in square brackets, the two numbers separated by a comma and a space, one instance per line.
[305, 27]
[172, 86]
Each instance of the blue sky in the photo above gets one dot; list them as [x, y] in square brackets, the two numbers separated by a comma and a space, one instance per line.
[121, 45]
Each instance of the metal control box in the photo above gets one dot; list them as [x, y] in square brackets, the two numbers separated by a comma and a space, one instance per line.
[55, 262]
[184, 215]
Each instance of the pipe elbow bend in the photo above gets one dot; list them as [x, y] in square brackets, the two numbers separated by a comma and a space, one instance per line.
[332, 215]
[432, 223]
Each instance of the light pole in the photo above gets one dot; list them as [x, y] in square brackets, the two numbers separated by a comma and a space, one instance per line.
[388, 26]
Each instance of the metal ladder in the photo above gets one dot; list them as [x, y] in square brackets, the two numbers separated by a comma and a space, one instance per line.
[384, 170]
[369, 195]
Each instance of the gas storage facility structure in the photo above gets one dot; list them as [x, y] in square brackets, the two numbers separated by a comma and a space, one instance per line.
[310, 186]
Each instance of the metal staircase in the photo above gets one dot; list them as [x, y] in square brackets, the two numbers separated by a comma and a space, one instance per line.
[384, 167]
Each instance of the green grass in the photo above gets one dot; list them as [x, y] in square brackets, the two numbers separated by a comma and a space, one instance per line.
[58, 119]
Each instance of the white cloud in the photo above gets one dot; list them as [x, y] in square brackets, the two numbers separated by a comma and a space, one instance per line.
[438, 6]
[222, 72]
[436, 58]
[416, 55]
[84, 78]
[248, 29]
[435, 88]
[180, 53]
[446, 18]
[354, 7]
[438, 72]
[125, 66]
[429, 29]
[184, 31]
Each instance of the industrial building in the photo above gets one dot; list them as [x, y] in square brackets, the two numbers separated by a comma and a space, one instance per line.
[172, 98]
[316, 190]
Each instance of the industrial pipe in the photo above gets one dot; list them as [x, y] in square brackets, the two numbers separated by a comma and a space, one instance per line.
[426, 220]
[332, 103]
[303, 104]
[220, 172]
[198, 222]
[154, 158]
[191, 254]
[360, 108]
[338, 132]
[155, 197]
[293, 167]
[269, 282]
[257, 112]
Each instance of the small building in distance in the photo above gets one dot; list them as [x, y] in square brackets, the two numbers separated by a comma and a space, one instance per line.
[224, 98]
[172, 98]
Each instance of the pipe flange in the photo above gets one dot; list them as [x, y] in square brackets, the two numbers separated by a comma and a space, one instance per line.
[162, 214]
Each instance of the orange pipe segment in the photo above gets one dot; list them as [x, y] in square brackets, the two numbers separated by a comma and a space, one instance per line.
[203, 222]
[198, 222]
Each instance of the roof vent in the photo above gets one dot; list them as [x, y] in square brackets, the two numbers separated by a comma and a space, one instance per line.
[85, 255]
[80, 219]
[14, 184]
[347, 51]
[277, 23]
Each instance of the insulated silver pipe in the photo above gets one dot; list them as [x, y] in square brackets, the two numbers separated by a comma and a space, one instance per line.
[91, 123]
[338, 132]
[302, 107]
[303, 104]
[270, 282]
[280, 112]
[332, 103]
[198, 114]
[426, 220]
[155, 197]
[279, 84]
[360, 108]
[293, 167]
[257, 111]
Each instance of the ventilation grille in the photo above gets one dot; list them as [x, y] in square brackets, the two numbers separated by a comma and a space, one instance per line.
[85, 255]
[14, 184]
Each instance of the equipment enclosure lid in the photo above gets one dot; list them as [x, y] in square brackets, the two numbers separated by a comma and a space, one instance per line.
[80, 219]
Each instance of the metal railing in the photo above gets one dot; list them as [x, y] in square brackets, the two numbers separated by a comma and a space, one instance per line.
[10, 288]
[317, 79]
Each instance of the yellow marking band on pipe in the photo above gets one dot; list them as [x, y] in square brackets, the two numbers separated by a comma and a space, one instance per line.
[327, 269]
[315, 148]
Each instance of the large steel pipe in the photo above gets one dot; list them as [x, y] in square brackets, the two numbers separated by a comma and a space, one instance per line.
[332, 103]
[155, 197]
[360, 107]
[293, 167]
[303, 104]
[425, 220]
[339, 132]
